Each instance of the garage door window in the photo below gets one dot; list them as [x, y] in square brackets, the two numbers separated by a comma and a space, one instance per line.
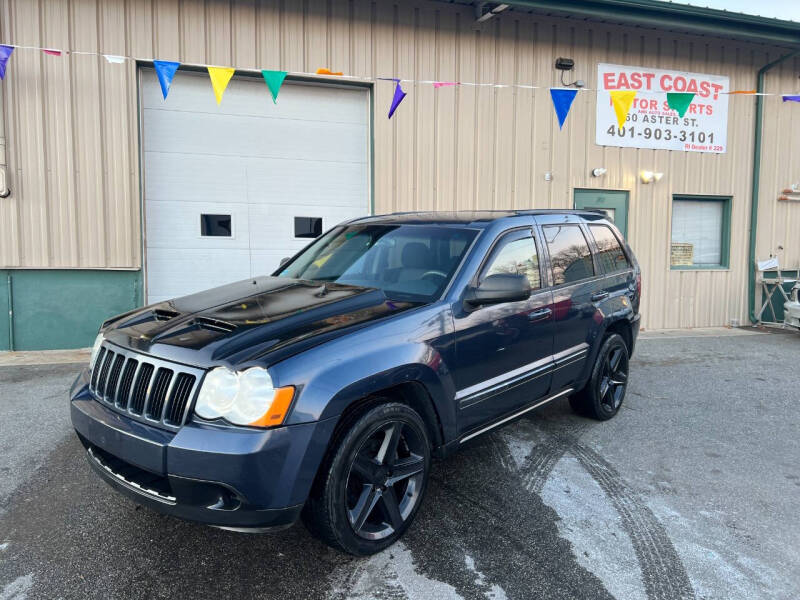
[216, 226]
[700, 232]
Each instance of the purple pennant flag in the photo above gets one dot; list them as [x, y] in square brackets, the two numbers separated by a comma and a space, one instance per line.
[788, 98]
[399, 94]
[5, 54]
[165, 71]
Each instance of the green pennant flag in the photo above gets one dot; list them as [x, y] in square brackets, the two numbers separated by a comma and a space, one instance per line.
[679, 101]
[274, 81]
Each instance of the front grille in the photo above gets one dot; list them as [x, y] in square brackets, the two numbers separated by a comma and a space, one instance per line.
[147, 389]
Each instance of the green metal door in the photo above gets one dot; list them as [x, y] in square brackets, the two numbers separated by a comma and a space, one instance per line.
[612, 202]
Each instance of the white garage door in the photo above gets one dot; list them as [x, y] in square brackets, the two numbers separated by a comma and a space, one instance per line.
[230, 190]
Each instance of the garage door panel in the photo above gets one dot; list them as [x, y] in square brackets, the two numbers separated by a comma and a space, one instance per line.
[249, 96]
[189, 178]
[177, 272]
[273, 226]
[203, 133]
[295, 182]
[261, 164]
[177, 225]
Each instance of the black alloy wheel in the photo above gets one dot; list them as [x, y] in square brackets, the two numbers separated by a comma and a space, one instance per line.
[385, 480]
[614, 378]
[372, 481]
[604, 393]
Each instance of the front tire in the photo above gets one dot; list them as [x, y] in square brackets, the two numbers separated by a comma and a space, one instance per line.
[372, 481]
[604, 392]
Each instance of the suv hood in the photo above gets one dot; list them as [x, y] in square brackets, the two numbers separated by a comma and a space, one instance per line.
[265, 319]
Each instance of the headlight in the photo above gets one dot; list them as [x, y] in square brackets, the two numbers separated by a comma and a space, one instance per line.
[243, 398]
[98, 341]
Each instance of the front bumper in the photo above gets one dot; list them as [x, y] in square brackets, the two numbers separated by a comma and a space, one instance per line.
[224, 476]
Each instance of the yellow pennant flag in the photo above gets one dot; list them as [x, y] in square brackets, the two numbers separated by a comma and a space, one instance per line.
[220, 76]
[622, 101]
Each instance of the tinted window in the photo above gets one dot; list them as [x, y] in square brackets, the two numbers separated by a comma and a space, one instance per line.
[516, 257]
[609, 252]
[569, 253]
[215, 225]
[408, 262]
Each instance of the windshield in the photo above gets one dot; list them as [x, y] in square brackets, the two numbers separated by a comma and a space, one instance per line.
[408, 262]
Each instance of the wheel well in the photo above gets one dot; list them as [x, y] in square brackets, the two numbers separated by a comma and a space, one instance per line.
[412, 393]
[623, 328]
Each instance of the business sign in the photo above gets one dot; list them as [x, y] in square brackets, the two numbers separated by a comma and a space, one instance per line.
[651, 123]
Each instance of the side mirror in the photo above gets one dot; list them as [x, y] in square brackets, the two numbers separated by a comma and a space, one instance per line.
[499, 288]
[284, 260]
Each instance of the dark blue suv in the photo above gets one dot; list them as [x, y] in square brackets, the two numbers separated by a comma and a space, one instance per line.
[324, 390]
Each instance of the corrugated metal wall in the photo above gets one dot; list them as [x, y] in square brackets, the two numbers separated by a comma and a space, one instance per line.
[73, 148]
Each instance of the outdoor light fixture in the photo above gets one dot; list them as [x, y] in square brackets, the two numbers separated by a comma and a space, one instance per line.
[599, 172]
[650, 176]
[480, 18]
[548, 176]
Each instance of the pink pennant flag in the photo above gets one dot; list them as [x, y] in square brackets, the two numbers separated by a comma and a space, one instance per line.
[438, 84]
[51, 52]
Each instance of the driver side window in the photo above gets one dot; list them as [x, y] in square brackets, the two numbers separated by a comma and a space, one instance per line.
[516, 256]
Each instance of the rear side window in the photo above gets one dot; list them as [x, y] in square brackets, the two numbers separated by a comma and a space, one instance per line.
[610, 255]
[570, 256]
[516, 257]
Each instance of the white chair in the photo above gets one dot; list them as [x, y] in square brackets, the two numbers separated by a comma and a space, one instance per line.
[769, 285]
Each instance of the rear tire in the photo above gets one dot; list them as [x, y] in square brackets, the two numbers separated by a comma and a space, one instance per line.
[604, 393]
[372, 481]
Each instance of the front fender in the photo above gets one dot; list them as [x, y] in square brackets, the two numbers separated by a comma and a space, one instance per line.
[415, 348]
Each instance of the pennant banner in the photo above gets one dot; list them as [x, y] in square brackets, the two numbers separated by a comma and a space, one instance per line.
[220, 77]
[679, 102]
[562, 102]
[622, 101]
[5, 54]
[324, 71]
[51, 52]
[165, 71]
[438, 84]
[114, 59]
[399, 94]
[274, 81]
[791, 98]
[743, 93]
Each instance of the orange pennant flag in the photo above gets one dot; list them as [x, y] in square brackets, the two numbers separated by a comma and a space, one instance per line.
[743, 92]
[324, 71]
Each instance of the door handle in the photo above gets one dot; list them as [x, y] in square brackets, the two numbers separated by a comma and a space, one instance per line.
[540, 315]
[597, 296]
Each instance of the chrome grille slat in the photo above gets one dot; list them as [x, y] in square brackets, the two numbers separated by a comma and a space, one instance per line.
[125, 383]
[103, 377]
[144, 388]
[113, 378]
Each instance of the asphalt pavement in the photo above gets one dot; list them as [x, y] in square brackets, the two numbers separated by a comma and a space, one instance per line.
[692, 491]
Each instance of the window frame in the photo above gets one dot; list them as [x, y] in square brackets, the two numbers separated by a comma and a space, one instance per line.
[596, 251]
[725, 239]
[588, 238]
[477, 276]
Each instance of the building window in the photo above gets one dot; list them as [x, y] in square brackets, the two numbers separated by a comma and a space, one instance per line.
[701, 231]
[307, 227]
[570, 257]
[215, 226]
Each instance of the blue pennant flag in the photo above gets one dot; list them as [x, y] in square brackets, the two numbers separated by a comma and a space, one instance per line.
[5, 54]
[165, 71]
[562, 102]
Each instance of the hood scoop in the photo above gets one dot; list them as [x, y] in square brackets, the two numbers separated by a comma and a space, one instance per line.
[150, 316]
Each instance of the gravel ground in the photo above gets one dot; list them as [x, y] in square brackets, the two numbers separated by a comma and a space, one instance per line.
[690, 492]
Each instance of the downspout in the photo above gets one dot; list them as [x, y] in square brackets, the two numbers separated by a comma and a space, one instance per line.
[751, 280]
